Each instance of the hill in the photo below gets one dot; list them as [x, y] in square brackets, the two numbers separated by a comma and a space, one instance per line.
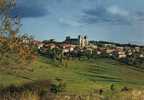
[80, 76]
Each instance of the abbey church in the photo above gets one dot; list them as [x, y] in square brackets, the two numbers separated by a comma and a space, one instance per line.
[82, 41]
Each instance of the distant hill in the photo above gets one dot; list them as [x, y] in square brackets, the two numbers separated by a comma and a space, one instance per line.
[131, 44]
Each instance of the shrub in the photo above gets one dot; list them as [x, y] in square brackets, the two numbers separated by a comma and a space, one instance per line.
[59, 86]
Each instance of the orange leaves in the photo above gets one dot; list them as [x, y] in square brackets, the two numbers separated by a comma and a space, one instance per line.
[2, 3]
[16, 46]
[14, 49]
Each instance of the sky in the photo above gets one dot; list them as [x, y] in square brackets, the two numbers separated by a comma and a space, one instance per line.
[108, 20]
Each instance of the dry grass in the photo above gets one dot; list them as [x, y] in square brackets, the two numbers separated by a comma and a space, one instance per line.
[29, 96]
[39, 95]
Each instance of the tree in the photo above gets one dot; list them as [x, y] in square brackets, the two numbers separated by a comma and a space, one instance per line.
[1, 3]
[15, 49]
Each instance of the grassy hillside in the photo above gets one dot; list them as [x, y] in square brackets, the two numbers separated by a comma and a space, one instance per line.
[80, 76]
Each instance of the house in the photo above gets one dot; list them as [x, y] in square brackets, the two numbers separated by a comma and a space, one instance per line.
[50, 45]
[99, 52]
[122, 54]
[137, 49]
[68, 48]
[109, 51]
[120, 48]
[93, 46]
[141, 56]
[38, 44]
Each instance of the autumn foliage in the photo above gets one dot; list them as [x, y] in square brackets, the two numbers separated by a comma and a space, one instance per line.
[15, 49]
[18, 49]
[1, 3]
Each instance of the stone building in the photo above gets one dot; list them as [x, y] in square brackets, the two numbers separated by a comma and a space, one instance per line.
[82, 41]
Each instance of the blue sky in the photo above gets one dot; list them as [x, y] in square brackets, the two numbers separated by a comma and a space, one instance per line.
[112, 20]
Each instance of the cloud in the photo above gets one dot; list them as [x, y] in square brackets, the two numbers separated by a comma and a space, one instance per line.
[30, 8]
[69, 22]
[115, 10]
[112, 14]
[24, 11]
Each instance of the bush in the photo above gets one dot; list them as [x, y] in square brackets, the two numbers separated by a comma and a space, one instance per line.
[58, 87]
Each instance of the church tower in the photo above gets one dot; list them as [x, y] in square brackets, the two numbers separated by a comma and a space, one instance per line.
[83, 41]
[86, 40]
[80, 39]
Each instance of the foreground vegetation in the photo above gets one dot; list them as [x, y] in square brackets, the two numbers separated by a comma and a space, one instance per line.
[101, 78]
[80, 76]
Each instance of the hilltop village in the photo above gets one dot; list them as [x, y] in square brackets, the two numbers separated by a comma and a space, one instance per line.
[82, 47]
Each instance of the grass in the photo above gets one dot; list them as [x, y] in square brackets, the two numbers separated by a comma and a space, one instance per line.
[80, 76]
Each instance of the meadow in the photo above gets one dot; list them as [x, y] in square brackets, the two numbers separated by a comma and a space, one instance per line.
[82, 77]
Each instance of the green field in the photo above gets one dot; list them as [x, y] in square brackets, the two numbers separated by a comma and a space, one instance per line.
[80, 76]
